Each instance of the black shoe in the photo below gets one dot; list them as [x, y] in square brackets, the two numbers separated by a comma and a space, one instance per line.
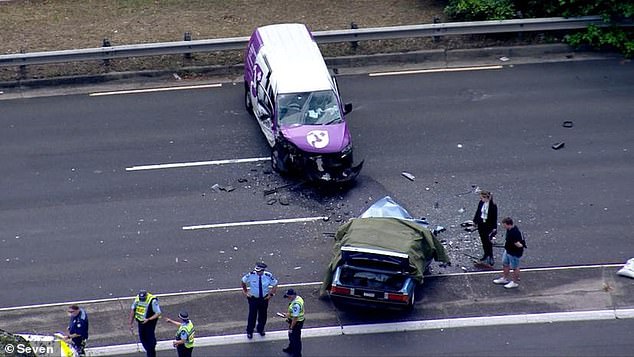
[484, 258]
[249, 335]
[262, 333]
[287, 349]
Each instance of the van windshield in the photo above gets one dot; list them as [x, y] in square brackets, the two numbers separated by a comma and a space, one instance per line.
[309, 108]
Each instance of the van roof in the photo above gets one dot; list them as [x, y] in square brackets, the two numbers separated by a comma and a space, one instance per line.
[296, 59]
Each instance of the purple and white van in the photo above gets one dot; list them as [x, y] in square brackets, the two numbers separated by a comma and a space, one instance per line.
[295, 100]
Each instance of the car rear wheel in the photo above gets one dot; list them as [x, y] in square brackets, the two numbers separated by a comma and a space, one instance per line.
[412, 301]
[247, 99]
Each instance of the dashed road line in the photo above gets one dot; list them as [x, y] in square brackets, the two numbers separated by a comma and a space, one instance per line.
[195, 163]
[434, 70]
[153, 90]
[255, 223]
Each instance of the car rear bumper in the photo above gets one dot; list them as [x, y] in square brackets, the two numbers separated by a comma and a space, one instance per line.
[358, 301]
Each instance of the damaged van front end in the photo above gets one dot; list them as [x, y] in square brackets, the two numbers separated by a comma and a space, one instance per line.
[328, 167]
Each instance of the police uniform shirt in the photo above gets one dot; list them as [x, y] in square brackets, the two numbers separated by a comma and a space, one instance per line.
[252, 280]
[79, 324]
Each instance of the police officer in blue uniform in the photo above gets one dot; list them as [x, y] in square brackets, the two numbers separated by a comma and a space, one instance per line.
[78, 328]
[146, 311]
[262, 286]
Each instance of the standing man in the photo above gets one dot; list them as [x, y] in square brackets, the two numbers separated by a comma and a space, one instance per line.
[295, 319]
[486, 219]
[184, 342]
[262, 287]
[146, 311]
[78, 328]
[513, 250]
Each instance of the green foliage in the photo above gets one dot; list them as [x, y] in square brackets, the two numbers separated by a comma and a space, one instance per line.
[480, 10]
[612, 11]
[605, 38]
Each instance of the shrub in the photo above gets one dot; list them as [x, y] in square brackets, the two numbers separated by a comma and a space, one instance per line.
[480, 10]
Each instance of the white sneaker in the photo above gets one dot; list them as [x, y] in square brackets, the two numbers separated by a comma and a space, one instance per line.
[500, 280]
[511, 285]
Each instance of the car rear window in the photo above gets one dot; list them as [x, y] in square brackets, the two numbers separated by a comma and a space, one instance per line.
[354, 276]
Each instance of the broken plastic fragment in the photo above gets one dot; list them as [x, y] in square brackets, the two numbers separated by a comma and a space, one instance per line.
[408, 176]
[558, 146]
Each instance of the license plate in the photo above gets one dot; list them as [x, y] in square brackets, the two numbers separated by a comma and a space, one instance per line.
[368, 294]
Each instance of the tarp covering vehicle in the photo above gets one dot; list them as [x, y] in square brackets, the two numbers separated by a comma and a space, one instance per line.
[386, 244]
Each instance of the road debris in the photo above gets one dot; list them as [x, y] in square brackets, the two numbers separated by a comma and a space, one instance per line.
[628, 269]
[559, 145]
[567, 124]
[408, 176]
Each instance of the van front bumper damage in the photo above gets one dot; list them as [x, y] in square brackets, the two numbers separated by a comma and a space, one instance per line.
[328, 168]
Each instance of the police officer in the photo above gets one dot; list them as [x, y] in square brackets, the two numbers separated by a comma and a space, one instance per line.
[295, 319]
[78, 328]
[146, 311]
[184, 341]
[262, 287]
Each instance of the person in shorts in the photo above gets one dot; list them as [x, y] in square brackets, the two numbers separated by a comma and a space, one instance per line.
[513, 250]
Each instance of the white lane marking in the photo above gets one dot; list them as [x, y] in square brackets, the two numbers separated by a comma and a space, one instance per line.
[188, 293]
[434, 70]
[392, 327]
[196, 163]
[152, 90]
[254, 223]
[197, 292]
[570, 267]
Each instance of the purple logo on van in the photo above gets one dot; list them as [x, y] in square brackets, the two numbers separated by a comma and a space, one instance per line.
[257, 78]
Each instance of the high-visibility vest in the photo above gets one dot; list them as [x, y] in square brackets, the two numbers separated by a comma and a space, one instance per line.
[140, 311]
[298, 300]
[190, 330]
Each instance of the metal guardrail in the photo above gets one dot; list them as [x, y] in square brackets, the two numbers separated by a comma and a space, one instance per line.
[363, 34]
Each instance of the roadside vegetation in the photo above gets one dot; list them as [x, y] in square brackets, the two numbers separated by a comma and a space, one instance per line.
[612, 11]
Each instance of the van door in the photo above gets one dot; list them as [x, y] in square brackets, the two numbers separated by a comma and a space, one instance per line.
[264, 109]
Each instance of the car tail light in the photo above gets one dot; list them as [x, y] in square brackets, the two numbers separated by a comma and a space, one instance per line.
[339, 290]
[398, 297]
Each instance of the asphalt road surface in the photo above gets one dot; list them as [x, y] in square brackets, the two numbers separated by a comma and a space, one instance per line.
[77, 225]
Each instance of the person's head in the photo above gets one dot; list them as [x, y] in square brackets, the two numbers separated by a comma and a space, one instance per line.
[290, 294]
[507, 222]
[183, 315]
[142, 295]
[485, 196]
[73, 310]
[260, 268]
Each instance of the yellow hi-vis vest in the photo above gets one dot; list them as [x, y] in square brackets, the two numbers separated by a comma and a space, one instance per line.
[140, 311]
[190, 330]
[299, 301]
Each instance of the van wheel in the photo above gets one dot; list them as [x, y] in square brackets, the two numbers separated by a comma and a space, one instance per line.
[247, 99]
[277, 160]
